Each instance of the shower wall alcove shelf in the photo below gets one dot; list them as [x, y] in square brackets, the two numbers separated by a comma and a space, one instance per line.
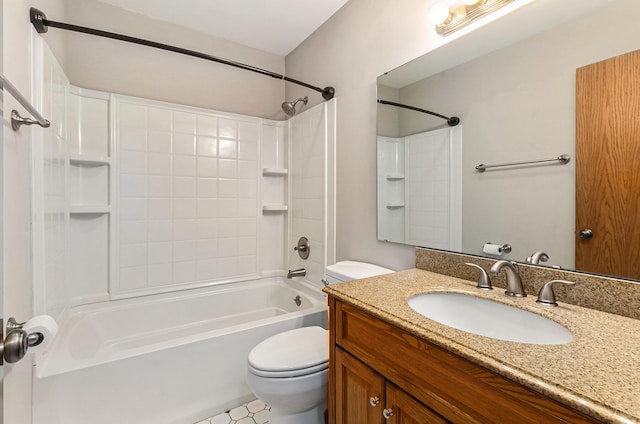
[274, 172]
[89, 160]
[89, 165]
[275, 175]
[391, 187]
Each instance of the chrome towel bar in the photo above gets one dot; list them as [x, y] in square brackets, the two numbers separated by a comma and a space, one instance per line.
[563, 159]
[16, 120]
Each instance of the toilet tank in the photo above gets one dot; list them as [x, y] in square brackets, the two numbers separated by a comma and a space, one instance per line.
[351, 270]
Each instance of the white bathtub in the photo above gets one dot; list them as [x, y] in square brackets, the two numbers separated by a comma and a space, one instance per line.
[164, 359]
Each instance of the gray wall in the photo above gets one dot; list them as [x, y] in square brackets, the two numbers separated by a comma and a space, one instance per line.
[518, 104]
[364, 39]
[119, 67]
[361, 41]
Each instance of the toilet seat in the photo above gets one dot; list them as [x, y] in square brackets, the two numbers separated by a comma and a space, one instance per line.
[288, 374]
[293, 353]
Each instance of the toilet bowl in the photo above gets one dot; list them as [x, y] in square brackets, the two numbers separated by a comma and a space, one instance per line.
[288, 371]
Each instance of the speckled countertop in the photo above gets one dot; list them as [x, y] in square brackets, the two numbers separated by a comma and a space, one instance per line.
[598, 373]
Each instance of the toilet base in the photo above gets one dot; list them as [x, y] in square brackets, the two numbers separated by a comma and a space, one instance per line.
[312, 416]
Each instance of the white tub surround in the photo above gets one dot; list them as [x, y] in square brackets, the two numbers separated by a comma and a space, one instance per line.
[186, 188]
[174, 197]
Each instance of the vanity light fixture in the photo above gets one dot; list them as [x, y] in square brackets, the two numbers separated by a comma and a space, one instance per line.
[439, 13]
[450, 16]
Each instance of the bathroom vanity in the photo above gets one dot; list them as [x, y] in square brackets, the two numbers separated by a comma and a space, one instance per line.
[390, 364]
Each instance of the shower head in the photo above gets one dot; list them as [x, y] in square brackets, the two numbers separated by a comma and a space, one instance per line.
[290, 107]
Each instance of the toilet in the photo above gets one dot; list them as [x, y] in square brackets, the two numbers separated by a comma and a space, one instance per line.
[288, 371]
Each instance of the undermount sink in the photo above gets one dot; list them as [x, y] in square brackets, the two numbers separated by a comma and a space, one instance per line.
[489, 318]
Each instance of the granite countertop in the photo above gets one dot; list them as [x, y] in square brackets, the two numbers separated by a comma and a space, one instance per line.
[598, 373]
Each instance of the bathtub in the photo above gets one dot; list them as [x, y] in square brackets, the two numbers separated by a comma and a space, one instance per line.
[165, 359]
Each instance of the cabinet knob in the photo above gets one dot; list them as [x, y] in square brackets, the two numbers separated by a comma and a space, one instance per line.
[374, 400]
[387, 413]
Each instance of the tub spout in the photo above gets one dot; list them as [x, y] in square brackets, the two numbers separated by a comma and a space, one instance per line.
[297, 273]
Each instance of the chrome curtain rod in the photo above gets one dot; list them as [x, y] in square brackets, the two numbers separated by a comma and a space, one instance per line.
[563, 159]
[42, 24]
[16, 120]
[453, 121]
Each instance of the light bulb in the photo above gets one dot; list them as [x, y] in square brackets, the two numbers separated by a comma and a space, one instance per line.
[439, 13]
[469, 2]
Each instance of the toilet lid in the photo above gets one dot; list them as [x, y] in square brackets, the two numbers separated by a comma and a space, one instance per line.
[299, 349]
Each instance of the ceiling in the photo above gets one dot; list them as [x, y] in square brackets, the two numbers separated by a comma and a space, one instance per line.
[275, 26]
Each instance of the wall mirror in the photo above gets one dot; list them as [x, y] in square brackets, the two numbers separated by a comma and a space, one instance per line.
[516, 98]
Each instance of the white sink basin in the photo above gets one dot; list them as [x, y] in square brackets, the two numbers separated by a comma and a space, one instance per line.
[489, 318]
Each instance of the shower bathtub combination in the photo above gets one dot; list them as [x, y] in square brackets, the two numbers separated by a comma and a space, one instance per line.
[169, 358]
[161, 242]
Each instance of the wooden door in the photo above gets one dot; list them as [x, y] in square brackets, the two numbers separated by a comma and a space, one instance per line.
[608, 166]
[359, 392]
[406, 410]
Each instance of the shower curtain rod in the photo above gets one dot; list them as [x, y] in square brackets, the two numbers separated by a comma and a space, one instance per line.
[453, 121]
[42, 24]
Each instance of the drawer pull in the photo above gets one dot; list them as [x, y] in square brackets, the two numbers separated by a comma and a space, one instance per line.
[387, 413]
[374, 401]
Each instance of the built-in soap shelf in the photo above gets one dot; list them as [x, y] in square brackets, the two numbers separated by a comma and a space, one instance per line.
[89, 209]
[89, 165]
[395, 205]
[88, 184]
[272, 207]
[274, 172]
[89, 160]
[395, 177]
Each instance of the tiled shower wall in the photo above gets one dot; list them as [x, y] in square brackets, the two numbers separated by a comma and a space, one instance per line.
[391, 188]
[133, 197]
[187, 195]
[312, 210]
[419, 195]
[50, 223]
[427, 203]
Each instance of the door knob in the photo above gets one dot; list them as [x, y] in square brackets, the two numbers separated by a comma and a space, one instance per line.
[586, 234]
[387, 413]
[14, 347]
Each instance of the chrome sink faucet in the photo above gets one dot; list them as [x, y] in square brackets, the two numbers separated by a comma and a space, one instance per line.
[514, 283]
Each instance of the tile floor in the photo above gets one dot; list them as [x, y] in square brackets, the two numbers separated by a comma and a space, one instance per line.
[254, 412]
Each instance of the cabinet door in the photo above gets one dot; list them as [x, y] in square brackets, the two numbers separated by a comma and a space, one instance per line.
[401, 408]
[359, 392]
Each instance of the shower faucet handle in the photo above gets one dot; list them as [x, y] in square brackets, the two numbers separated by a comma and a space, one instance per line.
[303, 247]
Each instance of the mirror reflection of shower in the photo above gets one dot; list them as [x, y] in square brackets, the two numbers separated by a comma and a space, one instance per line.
[290, 107]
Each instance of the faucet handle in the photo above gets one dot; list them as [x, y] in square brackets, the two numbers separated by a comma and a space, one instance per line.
[484, 282]
[537, 257]
[546, 296]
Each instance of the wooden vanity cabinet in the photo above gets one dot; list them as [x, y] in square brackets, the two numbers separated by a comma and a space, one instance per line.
[420, 382]
[364, 396]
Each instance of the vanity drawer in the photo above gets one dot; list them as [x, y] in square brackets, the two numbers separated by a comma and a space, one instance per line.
[456, 388]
